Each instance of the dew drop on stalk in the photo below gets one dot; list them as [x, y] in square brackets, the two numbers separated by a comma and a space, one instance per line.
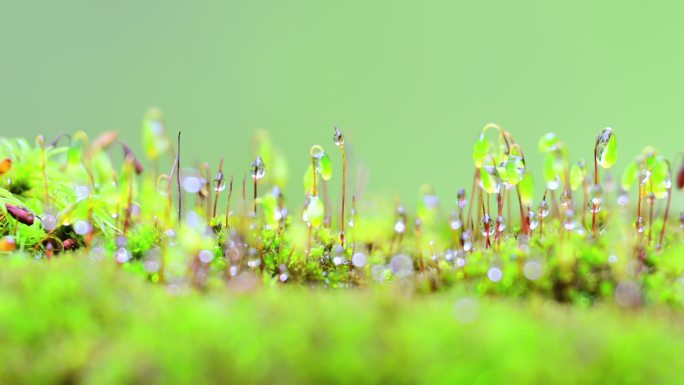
[461, 200]
[640, 224]
[219, 182]
[644, 177]
[400, 226]
[501, 222]
[569, 223]
[338, 260]
[338, 138]
[595, 199]
[487, 225]
[565, 198]
[681, 220]
[455, 223]
[534, 222]
[253, 263]
[258, 168]
[650, 198]
[543, 209]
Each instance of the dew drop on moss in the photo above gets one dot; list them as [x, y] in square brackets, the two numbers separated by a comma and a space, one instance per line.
[487, 226]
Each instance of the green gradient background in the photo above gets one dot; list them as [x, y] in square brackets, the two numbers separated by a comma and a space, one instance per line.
[411, 82]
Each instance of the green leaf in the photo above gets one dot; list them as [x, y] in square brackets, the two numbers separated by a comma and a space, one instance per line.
[548, 143]
[630, 175]
[606, 148]
[325, 167]
[489, 177]
[576, 177]
[526, 188]
[481, 150]
[315, 212]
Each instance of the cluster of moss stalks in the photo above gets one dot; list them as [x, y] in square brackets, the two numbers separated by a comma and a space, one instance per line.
[584, 239]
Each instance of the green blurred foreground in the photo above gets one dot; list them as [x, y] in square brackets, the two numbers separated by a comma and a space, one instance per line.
[74, 321]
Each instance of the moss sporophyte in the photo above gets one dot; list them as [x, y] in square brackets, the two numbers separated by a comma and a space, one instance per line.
[80, 196]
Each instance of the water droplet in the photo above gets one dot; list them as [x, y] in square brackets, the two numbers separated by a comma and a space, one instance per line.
[400, 227]
[359, 259]
[494, 274]
[253, 263]
[612, 258]
[449, 255]
[151, 266]
[487, 226]
[234, 270]
[219, 182]
[431, 201]
[121, 241]
[338, 138]
[565, 198]
[401, 265]
[554, 184]
[338, 260]
[205, 256]
[258, 168]
[455, 224]
[534, 222]
[640, 224]
[501, 223]
[623, 198]
[467, 246]
[82, 227]
[460, 261]
[569, 222]
[49, 222]
[650, 198]
[82, 192]
[192, 184]
[532, 270]
[283, 277]
[644, 177]
[543, 209]
[122, 255]
[462, 201]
